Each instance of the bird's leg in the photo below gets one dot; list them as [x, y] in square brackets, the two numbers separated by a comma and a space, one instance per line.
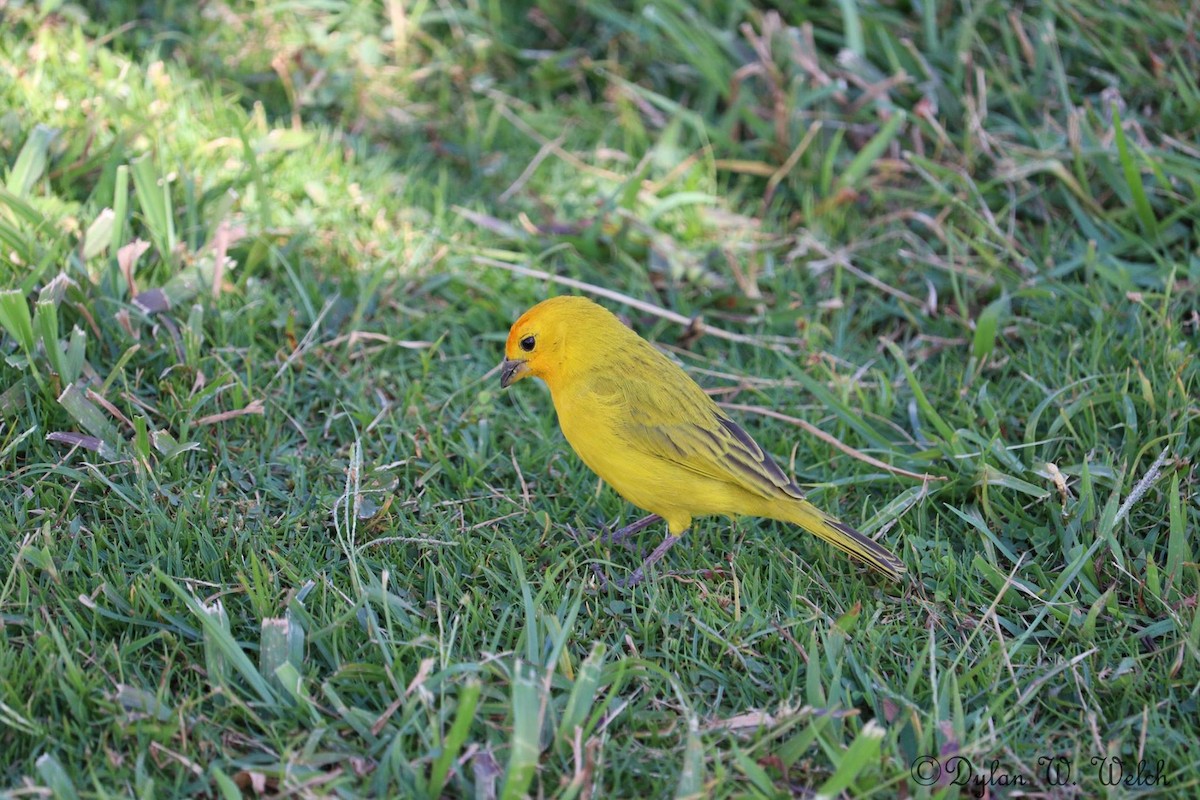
[621, 534]
[618, 536]
[639, 574]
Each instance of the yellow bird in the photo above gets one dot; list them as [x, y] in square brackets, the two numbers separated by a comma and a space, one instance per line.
[639, 422]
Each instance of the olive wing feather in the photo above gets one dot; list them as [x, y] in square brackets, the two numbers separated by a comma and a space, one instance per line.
[672, 418]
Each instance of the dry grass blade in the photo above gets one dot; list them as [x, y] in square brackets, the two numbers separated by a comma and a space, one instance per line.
[770, 343]
[523, 178]
[840, 445]
[253, 407]
[807, 242]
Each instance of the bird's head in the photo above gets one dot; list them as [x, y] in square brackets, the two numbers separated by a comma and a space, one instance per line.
[542, 343]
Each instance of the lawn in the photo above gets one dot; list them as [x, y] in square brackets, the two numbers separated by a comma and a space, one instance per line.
[269, 526]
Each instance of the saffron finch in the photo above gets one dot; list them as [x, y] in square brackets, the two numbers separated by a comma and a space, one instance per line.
[639, 422]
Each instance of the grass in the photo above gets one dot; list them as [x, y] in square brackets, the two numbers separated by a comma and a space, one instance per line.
[270, 527]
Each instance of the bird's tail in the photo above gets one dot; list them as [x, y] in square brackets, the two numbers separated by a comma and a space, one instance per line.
[843, 537]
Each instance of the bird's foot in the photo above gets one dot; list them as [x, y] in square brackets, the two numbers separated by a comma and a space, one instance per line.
[601, 576]
[639, 574]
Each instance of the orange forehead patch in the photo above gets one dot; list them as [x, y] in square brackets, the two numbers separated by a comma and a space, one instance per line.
[515, 332]
[553, 312]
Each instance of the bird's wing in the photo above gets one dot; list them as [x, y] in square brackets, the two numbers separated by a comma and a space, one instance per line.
[716, 448]
[672, 418]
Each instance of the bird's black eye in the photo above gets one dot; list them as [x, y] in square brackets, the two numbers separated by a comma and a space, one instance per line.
[527, 344]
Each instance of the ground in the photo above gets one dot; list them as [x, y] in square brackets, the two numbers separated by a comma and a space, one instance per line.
[269, 525]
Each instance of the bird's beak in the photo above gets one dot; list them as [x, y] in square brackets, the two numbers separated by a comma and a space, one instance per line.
[512, 371]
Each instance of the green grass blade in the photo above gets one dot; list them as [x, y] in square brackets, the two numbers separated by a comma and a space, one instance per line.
[222, 650]
[852, 175]
[1133, 178]
[154, 199]
[99, 235]
[456, 737]
[691, 775]
[88, 415]
[281, 642]
[583, 693]
[56, 778]
[852, 27]
[943, 429]
[862, 754]
[120, 207]
[1179, 550]
[524, 744]
[16, 320]
[45, 323]
[31, 161]
[987, 326]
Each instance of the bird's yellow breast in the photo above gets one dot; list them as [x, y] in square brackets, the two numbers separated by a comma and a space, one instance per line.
[589, 416]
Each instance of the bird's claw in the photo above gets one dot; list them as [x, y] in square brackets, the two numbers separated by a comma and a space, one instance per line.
[634, 579]
[600, 576]
[615, 538]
